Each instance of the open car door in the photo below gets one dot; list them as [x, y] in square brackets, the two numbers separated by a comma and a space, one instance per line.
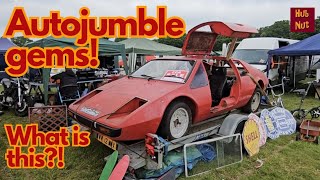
[202, 43]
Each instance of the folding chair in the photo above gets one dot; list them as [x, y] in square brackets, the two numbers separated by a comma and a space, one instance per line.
[68, 98]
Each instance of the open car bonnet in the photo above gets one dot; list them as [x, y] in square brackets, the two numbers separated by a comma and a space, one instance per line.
[202, 43]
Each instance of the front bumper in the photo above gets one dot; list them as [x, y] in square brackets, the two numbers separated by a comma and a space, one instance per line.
[95, 126]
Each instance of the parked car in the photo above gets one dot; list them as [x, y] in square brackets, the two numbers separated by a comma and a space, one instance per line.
[168, 95]
[255, 52]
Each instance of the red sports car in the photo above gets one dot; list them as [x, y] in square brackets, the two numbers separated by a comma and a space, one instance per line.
[168, 95]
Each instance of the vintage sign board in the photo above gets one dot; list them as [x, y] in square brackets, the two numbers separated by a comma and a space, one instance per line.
[302, 19]
[262, 128]
[251, 137]
[270, 124]
[285, 121]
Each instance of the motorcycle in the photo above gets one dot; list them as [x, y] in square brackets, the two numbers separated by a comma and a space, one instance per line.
[15, 95]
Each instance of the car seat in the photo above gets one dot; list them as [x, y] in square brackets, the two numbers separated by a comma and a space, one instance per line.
[218, 81]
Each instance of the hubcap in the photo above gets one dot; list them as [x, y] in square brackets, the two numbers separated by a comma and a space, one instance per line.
[255, 101]
[179, 122]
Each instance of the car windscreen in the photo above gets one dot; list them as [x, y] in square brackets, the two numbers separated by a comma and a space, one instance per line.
[252, 56]
[166, 70]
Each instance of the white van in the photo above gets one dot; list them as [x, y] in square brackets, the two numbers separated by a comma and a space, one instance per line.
[255, 52]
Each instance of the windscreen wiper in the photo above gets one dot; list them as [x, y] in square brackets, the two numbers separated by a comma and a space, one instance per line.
[174, 76]
[147, 76]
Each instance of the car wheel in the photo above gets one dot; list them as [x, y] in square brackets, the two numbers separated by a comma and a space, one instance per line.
[254, 102]
[176, 121]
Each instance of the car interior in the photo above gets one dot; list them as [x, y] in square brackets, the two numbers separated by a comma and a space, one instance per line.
[221, 78]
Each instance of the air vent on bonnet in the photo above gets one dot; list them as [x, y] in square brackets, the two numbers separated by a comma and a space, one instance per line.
[128, 108]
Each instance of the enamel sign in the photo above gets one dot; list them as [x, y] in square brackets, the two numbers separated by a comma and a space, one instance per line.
[251, 137]
[285, 120]
[262, 129]
[271, 126]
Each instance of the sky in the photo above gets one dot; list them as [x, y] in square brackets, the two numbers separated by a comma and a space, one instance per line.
[257, 13]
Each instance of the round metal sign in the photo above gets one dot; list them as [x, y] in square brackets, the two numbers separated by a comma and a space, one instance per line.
[286, 122]
[271, 126]
[251, 137]
[262, 129]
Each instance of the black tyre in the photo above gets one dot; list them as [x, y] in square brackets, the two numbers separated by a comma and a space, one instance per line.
[3, 107]
[254, 102]
[236, 143]
[299, 115]
[1, 99]
[314, 112]
[22, 110]
[176, 121]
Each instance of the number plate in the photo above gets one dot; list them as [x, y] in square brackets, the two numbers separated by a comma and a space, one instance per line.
[107, 141]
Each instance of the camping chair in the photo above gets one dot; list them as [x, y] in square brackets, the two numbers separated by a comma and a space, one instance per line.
[68, 98]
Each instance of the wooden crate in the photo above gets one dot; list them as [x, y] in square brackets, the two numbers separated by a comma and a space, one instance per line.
[49, 118]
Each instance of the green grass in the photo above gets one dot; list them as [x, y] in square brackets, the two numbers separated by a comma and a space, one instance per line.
[284, 158]
[81, 163]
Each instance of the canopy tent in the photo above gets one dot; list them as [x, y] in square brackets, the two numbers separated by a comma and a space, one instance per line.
[106, 47]
[149, 47]
[5, 44]
[141, 46]
[307, 47]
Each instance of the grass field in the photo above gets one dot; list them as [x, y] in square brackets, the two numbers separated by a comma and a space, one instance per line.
[284, 158]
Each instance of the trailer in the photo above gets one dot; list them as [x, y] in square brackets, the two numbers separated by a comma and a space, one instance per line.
[213, 102]
[150, 152]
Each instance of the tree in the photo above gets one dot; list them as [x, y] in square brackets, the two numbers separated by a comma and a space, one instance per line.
[281, 29]
[176, 42]
[21, 41]
[301, 36]
[220, 40]
[120, 39]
